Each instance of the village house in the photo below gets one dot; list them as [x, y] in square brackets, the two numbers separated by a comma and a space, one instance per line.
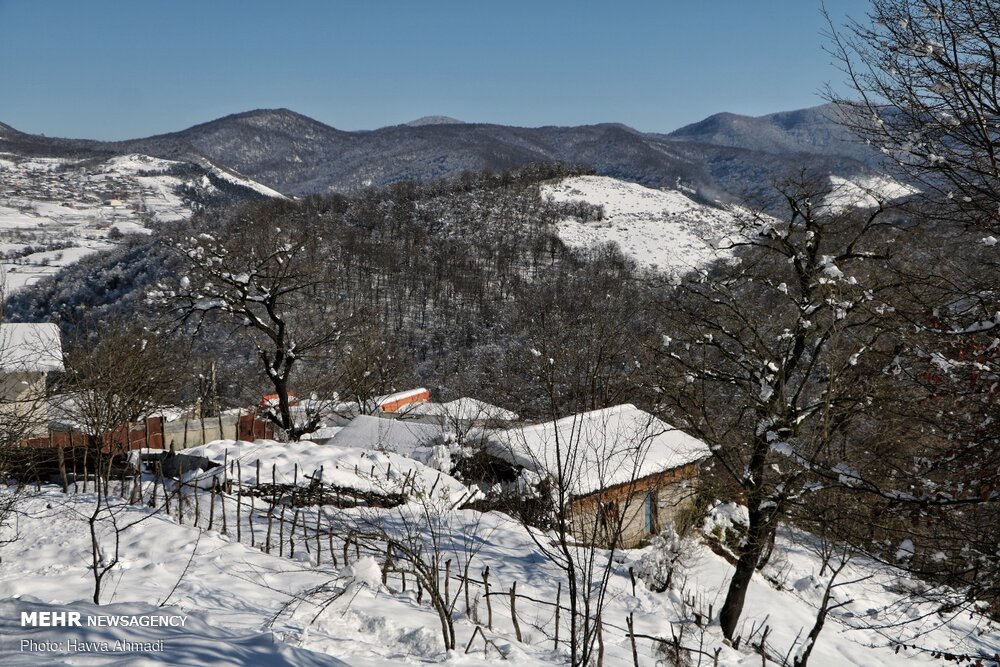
[28, 353]
[628, 473]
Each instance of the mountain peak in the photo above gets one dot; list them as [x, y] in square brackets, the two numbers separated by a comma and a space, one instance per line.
[434, 120]
[270, 119]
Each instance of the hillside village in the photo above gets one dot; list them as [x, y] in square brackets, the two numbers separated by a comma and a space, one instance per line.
[372, 525]
[279, 392]
[53, 211]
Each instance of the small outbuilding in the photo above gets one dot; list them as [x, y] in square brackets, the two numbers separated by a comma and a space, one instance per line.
[627, 473]
[402, 400]
[28, 353]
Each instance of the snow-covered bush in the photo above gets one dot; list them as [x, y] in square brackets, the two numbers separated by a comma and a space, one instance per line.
[726, 524]
[665, 556]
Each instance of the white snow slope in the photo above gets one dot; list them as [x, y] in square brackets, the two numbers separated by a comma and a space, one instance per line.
[233, 596]
[864, 192]
[661, 229]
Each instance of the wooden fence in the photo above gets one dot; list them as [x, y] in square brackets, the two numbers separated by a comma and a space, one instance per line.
[158, 433]
[257, 515]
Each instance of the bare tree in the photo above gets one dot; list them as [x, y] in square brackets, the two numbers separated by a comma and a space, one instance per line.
[772, 360]
[263, 270]
[924, 90]
[28, 353]
[119, 374]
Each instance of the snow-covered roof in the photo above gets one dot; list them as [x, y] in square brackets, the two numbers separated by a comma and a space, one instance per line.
[30, 348]
[394, 402]
[462, 409]
[598, 449]
[391, 435]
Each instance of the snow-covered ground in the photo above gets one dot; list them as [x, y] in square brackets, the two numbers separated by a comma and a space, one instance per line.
[864, 192]
[662, 229]
[244, 606]
[363, 469]
[54, 211]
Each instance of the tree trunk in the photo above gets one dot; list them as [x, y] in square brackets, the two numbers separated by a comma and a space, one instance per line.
[759, 533]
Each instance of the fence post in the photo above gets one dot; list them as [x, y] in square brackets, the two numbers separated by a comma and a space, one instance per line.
[489, 605]
[222, 508]
[555, 646]
[329, 537]
[631, 634]
[291, 535]
[180, 502]
[197, 505]
[211, 503]
[388, 562]
[281, 532]
[239, 500]
[62, 469]
[157, 480]
[319, 544]
[465, 582]
[513, 611]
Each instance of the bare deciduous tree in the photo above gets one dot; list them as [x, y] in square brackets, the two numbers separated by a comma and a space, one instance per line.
[263, 270]
[115, 377]
[771, 360]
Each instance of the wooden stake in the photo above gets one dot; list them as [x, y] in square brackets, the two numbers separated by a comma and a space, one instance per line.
[239, 500]
[631, 634]
[281, 532]
[211, 504]
[513, 611]
[62, 469]
[555, 646]
[489, 605]
[197, 506]
[468, 607]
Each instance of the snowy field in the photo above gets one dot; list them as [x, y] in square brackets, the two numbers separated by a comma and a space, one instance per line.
[668, 231]
[662, 229]
[54, 211]
[244, 606]
[864, 192]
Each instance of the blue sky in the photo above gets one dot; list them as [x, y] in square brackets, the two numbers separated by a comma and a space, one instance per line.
[115, 69]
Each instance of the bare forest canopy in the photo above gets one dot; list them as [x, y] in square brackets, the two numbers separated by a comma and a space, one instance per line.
[435, 275]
